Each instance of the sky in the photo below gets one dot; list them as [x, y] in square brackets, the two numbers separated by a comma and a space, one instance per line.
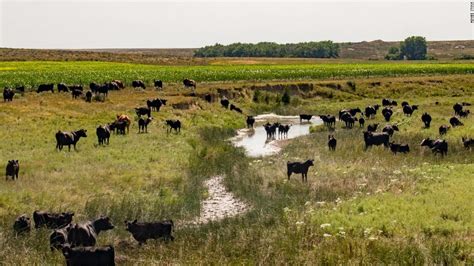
[85, 24]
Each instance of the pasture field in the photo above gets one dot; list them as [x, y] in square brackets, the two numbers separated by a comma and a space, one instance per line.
[359, 207]
[32, 74]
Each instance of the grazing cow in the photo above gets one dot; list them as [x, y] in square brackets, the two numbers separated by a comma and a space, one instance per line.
[250, 121]
[8, 95]
[348, 119]
[142, 231]
[328, 120]
[173, 124]
[389, 102]
[332, 142]
[437, 146]
[52, 220]
[426, 118]
[45, 87]
[390, 129]
[305, 117]
[85, 234]
[235, 108]
[395, 148]
[102, 89]
[189, 83]
[409, 109]
[76, 94]
[143, 111]
[443, 129]
[299, 168]
[158, 84]
[69, 138]
[270, 129]
[119, 83]
[62, 87]
[22, 224]
[143, 124]
[371, 138]
[12, 169]
[112, 86]
[464, 114]
[371, 111]
[103, 134]
[467, 142]
[88, 96]
[361, 121]
[123, 120]
[138, 84]
[454, 121]
[225, 103]
[387, 113]
[457, 108]
[283, 130]
[90, 256]
[372, 127]
[58, 237]
[154, 104]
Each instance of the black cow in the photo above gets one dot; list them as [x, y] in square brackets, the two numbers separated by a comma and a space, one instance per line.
[76, 87]
[103, 134]
[329, 120]
[387, 113]
[348, 119]
[89, 256]
[58, 237]
[372, 127]
[443, 129]
[409, 109]
[143, 124]
[94, 87]
[158, 84]
[173, 124]
[299, 168]
[225, 103]
[361, 121]
[437, 146]
[235, 108]
[142, 231]
[76, 94]
[464, 114]
[371, 138]
[389, 102]
[69, 138]
[85, 234]
[52, 220]
[22, 224]
[45, 87]
[12, 169]
[457, 108]
[332, 142]
[250, 121]
[390, 129]
[138, 84]
[189, 83]
[405, 103]
[305, 117]
[454, 121]
[88, 96]
[402, 148]
[8, 95]
[143, 111]
[121, 127]
[103, 89]
[154, 104]
[283, 130]
[467, 142]
[270, 129]
[62, 87]
[371, 111]
[352, 111]
[112, 86]
[426, 118]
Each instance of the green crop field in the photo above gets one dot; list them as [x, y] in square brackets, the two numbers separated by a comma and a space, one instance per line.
[358, 207]
[32, 74]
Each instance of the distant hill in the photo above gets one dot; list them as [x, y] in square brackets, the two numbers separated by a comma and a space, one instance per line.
[373, 50]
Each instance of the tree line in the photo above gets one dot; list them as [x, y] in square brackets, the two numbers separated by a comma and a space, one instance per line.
[323, 49]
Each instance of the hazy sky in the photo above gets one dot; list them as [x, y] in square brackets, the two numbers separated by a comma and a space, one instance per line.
[149, 24]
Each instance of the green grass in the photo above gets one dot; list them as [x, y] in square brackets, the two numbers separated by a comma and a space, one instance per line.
[382, 208]
[33, 73]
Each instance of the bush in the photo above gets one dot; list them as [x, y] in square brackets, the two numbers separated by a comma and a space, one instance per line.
[412, 48]
[286, 98]
[256, 96]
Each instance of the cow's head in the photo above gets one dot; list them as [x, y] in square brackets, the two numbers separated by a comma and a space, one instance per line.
[103, 224]
[129, 225]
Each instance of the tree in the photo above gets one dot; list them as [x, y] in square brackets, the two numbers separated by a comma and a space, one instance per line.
[414, 48]
[394, 54]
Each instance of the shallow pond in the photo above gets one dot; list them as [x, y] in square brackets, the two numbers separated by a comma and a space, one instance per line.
[255, 140]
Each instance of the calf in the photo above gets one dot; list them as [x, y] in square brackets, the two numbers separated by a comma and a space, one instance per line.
[372, 127]
[142, 231]
[138, 84]
[76, 94]
[454, 121]
[332, 142]
[299, 168]
[173, 124]
[426, 118]
[235, 108]
[305, 117]
[158, 84]
[85, 234]
[250, 121]
[409, 109]
[443, 129]
[88, 96]
[12, 169]
[8, 95]
[143, 124]
[387, 113]
[69, 138]
[437, 146]
[467, 142]
[90, 256]
[143, 111]
[390, 129]
[361, 121]
[22, 224]
[371, 138]
[52, 220]
[103, 134]
[395, 148]
[45, 87]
